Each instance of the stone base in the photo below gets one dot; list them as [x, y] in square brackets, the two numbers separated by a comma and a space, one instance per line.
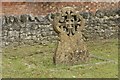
[70, 51]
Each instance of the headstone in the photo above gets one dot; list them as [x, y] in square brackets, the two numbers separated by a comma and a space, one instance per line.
[71, 48]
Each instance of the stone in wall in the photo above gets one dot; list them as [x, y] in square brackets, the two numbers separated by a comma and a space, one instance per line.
[28, 29]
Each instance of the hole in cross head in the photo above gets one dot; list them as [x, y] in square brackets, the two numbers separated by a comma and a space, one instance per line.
[71, 12]
[72, 20]
[78, 20]
[75, 28]
[72, 31]
[65, 17]
[75, 17]
[67, 20]
[64, 28]
[78, 24]
[66, 12]
[60, 27]
[68, 33]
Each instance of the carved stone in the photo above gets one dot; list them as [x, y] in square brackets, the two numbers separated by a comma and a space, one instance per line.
[71, 48]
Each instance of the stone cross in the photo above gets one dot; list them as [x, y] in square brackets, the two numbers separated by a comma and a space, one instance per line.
[71, 48]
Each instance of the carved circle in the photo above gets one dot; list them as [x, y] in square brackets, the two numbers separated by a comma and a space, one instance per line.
[68, 21]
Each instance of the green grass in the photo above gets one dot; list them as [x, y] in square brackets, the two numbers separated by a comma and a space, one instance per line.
[36, 62]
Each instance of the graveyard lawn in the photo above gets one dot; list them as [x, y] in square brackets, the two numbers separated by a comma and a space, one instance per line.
[35, 61]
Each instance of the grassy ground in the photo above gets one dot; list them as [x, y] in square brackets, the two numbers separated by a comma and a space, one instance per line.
[36, 62]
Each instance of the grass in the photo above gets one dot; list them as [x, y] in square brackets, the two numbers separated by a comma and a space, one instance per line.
[35, 61]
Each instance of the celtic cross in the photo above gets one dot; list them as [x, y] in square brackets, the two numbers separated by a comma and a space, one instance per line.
[71, 48]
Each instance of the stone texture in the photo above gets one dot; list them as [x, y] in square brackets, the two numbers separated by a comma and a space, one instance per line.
[71, 48]
[23, 29]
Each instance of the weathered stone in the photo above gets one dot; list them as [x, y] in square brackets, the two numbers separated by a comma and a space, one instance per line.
[99, 14]
[23, 27]
[71, 47]
[4, 20]
[23, 18]
[86, 15]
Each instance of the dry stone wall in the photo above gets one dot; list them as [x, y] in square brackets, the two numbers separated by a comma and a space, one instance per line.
[28, 29]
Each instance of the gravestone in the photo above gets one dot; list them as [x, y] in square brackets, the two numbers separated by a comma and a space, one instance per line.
[71, 48]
